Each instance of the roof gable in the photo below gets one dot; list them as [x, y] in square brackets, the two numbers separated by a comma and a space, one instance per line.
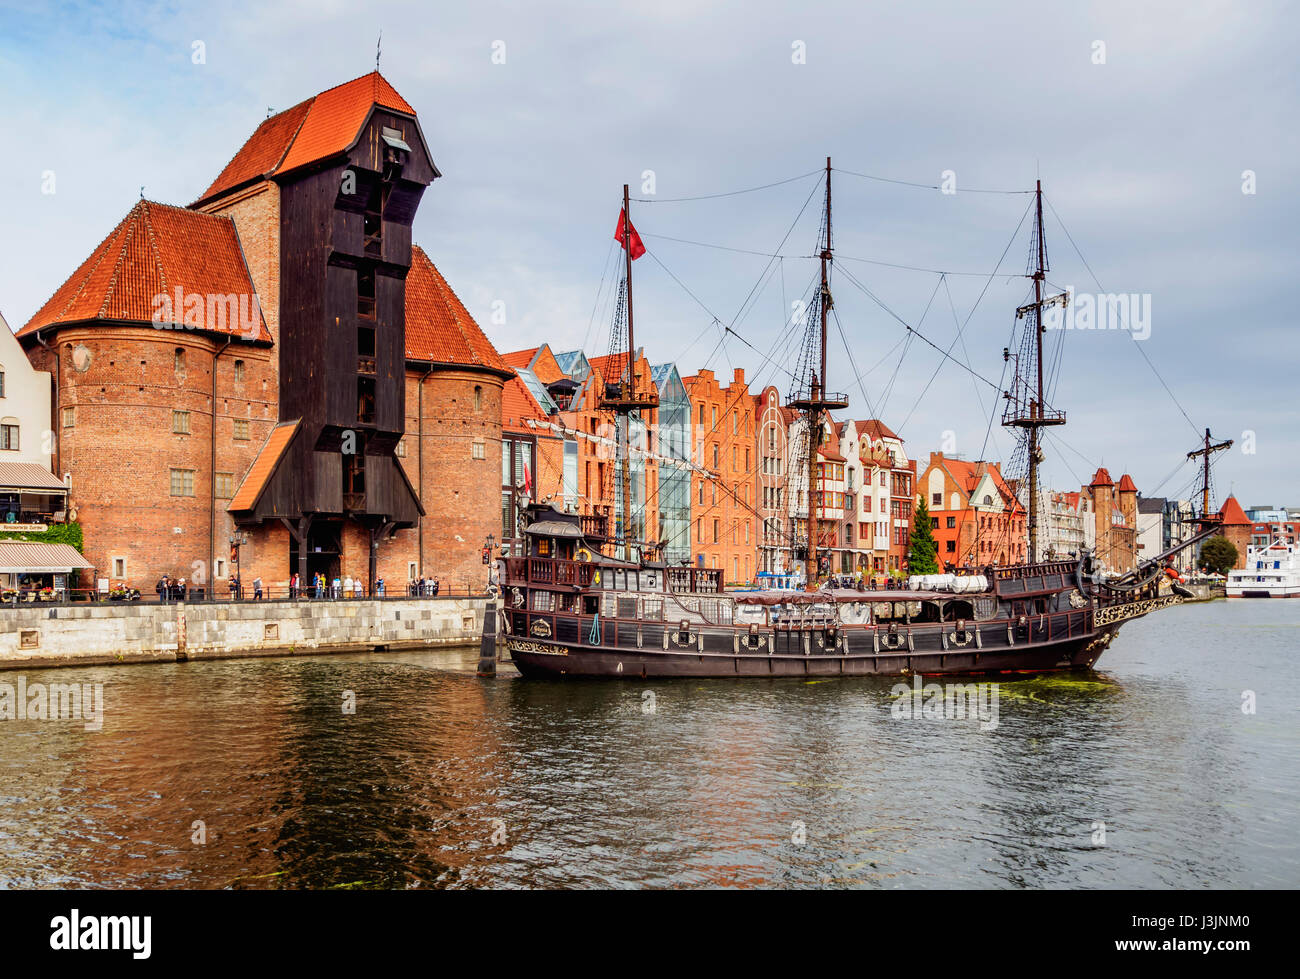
[314, 130]
[438, 327]
[154, 251]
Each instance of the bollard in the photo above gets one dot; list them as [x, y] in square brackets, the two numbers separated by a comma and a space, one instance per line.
[487, 656]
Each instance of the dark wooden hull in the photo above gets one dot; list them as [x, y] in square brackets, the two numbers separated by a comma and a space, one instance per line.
[551, 660]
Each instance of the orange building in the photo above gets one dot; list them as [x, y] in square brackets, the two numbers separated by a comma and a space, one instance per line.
[724, 516]
[974, 513]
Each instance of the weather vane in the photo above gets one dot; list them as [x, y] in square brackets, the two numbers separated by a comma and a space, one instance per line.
[378, 42]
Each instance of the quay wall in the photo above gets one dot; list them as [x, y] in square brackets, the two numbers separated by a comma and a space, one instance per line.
[38, 635]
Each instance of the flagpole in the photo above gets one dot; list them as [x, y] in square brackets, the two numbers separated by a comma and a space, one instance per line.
[627, 259]
[631, 382]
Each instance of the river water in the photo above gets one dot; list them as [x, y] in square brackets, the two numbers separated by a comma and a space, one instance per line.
[249, 773]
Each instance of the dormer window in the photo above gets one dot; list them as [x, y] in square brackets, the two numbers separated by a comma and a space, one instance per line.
[396, 149]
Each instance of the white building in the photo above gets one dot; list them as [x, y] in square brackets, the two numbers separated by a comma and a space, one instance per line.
[30, 491]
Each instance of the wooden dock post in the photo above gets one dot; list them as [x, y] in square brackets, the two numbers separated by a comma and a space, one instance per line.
[487, 656]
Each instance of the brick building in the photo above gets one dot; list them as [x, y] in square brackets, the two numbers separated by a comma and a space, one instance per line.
[724, 517]
[280, 361]
[974, 513]
[1237, 527]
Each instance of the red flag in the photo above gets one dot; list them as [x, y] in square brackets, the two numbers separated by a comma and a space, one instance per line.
[638, 249]
[528, 481]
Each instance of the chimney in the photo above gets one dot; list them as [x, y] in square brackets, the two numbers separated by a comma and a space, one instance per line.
[738, 376]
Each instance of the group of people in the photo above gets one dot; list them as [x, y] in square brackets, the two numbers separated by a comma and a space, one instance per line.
[425, 587]
[237, 588]
[170, 589]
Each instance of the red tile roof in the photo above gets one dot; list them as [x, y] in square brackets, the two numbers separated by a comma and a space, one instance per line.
[1101, 479]
[877, 429]
[967, 475]
[316, 129]
[153, 251]
[1232, 513]
[438, 327]
[1126, 484]
[263, 466]
[520, 358]
[518, 406]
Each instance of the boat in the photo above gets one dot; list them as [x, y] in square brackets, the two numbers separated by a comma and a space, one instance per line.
[1272, 571]
[581, 601]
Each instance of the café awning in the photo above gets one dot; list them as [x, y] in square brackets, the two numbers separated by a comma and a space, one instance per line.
[38, 557]
[29, 477]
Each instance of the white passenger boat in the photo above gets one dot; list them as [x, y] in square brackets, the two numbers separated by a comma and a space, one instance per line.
[1271, 571]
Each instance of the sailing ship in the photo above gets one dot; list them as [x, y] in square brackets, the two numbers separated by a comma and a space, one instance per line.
[584, 602]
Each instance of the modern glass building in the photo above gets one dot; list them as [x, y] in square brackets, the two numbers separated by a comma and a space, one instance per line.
[673, 446]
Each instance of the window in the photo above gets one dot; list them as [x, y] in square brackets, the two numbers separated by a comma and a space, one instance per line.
[2, 384]
[951, 523]
[182, 482]
[735, 424]
[934, 523]
[410, 571]
[241, 429]
[701, 416]
[950, 546]
[179, 361]
[478, 401]
[715, 530]
[9, 437]
[239, 371]
[715, 456]
[119, 567]
[225, 488]
[181, 422]
[936, 500]
[714, 416]
[219, 569]
[69, 416]
[400, 450]
[478, 450]
[701, 492]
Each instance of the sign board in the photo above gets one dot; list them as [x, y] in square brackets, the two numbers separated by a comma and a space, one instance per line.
[103, 586]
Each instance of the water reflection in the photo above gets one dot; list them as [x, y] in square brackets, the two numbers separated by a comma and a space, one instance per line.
[439, 779]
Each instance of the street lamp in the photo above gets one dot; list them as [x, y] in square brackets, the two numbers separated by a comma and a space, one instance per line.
[237, 540]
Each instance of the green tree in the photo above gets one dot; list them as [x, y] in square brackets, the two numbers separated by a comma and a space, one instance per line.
[1218, 555]
[922, 549]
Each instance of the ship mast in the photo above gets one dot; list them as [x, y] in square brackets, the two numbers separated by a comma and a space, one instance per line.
[1205, 452]
[622, 395]
[813, 400]
[1026, 407]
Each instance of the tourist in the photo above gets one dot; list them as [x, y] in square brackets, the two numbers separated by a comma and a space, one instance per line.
[379, 587]
[161, 589]
[435, 587]
[336, 587]
[257, 588]
[293, 585]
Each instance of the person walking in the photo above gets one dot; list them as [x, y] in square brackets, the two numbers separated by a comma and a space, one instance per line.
[257, 588]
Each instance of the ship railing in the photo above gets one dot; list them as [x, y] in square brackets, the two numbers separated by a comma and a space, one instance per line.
[549, 571]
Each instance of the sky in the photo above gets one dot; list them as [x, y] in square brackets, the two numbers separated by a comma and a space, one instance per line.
[1164, 135]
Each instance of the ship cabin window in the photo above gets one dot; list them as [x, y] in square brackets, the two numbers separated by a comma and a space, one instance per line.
[543, 545]
[590, 604]
[543, 601]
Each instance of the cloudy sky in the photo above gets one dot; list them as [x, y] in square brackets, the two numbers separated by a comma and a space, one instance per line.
[1140, 119]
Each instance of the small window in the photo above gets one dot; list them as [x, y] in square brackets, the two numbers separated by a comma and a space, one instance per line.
[2, 384]
[239, 371]
[241, 429]
[400, 451]
[410, 571]
[119, 567]
[936, 500]
[950, 546]
[69, 417]
[478, 450]
[225, 487]
[952, 523]
[182, 482]
[180, 359]
[219, 568]
[478, 398]
[181, 422]
[9, 437]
